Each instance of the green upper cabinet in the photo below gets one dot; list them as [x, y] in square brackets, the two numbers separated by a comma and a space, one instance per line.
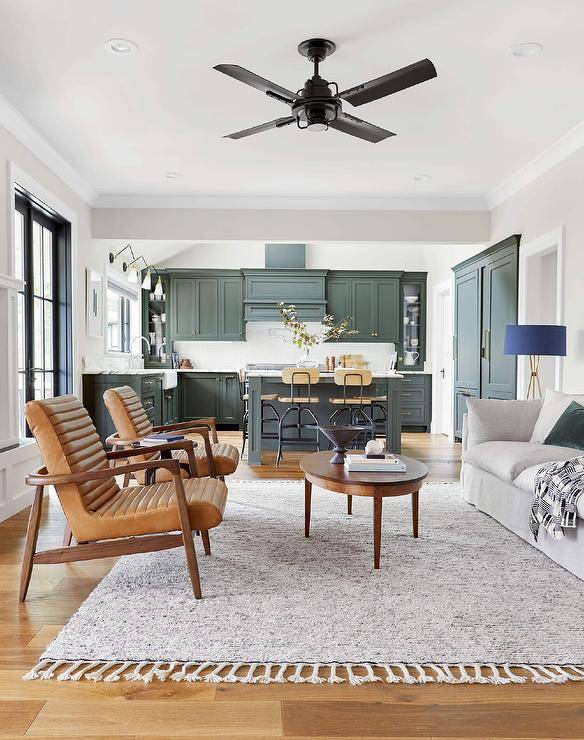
[265, 288]
[412, 351]
[206, 307]
[371, 298]
[231, 325]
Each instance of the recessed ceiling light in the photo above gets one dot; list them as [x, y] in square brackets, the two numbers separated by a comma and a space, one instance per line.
[123, 47]
[172, 175]
[525, 50]
[422, 178]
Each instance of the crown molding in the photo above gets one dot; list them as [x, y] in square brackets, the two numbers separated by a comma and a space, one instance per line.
[293, 203]
[14, 122]
[553, 155]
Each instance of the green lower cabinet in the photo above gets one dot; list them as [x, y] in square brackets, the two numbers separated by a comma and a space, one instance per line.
[170, 406]
[210, 394]
[416, 404]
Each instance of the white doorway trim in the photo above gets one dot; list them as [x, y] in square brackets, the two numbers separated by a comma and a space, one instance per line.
[553, 241]
[439, 293]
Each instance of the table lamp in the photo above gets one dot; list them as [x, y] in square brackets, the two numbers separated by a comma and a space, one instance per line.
[535, 340]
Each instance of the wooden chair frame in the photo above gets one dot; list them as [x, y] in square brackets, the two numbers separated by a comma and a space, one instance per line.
[123, 545]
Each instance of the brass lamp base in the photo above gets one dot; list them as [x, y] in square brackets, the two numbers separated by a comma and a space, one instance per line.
[533, 378]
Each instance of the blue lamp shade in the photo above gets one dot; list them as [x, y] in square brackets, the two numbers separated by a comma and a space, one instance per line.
[535, 339]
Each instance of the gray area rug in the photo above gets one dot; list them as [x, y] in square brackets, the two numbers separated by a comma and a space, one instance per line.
[466, 602]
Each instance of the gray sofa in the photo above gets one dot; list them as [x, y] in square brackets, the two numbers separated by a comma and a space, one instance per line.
[501, 456]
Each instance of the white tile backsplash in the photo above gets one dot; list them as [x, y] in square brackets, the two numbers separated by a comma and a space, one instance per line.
[270, 343]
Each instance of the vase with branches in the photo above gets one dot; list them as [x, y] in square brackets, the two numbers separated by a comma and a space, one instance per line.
[303, 338]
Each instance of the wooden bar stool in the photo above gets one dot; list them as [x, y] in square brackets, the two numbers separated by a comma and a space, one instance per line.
[352, 404]
[301, 402]
[266, 400]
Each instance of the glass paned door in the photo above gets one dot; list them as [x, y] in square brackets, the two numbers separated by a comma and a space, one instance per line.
[35, 263]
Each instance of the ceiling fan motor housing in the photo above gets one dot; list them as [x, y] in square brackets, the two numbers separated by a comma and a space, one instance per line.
[316, 105]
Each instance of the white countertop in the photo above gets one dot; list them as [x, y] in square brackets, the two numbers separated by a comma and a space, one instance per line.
[278, 374]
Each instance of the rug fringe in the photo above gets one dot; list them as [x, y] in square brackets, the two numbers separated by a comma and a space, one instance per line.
[313, 673]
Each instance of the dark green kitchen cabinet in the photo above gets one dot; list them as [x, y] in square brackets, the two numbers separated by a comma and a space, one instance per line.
[265, 288]
[372, 298]
[170, 406]
[206, 307]
[412, 350]
[231, 326]
[485, 302]
[148, 387]
[210, 394]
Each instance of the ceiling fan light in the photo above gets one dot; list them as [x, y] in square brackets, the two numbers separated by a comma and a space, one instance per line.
[317, 126]
[147, 282]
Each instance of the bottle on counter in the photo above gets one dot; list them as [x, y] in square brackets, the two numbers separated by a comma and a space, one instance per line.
[327, 364]
[333, 363]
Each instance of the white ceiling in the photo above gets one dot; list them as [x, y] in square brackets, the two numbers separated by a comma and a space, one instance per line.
[122, 122]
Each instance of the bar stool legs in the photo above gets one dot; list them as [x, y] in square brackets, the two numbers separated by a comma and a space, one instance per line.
[299, 425]
[273, 420]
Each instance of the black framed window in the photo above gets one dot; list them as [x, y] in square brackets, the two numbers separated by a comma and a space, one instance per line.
[42, 261]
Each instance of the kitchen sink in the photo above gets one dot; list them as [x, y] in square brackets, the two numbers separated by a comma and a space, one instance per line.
[169, 379]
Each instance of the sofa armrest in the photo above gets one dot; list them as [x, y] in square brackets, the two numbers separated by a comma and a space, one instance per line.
[464, 432]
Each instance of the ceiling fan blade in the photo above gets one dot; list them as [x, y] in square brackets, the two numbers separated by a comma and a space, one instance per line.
[260, 83]
[276, 123]
[356, 127]
[391, 83]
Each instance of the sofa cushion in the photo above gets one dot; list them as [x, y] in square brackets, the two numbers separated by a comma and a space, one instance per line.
[507, 460]
[526, 482]
[568, 431]
[554, 405]
[494, 420]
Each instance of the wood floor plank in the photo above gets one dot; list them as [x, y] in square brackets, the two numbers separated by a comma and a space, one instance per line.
[17, 716]
[352, 718]
[171, 718]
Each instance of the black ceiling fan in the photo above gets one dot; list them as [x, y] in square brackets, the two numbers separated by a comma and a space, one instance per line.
[317, 106]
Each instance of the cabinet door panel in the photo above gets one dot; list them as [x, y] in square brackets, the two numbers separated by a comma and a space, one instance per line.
[231, 308]
[498, 371]
[339, 298]
[467, 330]
[207, 306]
[460, 397]
[184, 305]
[386, 310]
[230, 400]
[362, 305]
[200, 393]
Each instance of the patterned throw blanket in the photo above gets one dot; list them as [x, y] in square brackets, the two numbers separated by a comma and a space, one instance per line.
[558, 486]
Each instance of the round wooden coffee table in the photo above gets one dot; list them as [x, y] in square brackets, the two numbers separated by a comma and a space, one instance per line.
[318, 470]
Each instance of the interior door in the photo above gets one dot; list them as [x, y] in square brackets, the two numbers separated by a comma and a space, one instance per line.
[467, 328]
[498, 371]
[445, 371]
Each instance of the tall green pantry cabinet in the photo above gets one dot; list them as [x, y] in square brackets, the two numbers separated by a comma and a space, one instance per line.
[485, 301]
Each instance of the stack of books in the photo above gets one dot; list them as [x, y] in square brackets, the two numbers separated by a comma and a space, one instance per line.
[381, 464]
[161, 438]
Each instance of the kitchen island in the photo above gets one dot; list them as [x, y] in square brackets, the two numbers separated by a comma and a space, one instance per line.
[262, 382]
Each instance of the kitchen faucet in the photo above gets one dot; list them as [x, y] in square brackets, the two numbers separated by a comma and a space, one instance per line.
[160, 351]
[130, 359]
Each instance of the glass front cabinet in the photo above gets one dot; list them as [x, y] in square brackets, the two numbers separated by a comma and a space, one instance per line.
[154, 324]
[412, 352]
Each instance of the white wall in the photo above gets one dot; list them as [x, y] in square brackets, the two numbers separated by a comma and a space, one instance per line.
[553, 200]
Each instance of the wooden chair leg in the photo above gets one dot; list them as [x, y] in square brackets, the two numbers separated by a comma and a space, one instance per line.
[67, 535]
[206, 542]
[32, 534]
[187, 535]
[349, 504]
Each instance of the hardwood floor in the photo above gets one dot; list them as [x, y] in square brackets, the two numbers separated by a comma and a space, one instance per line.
[128, 709]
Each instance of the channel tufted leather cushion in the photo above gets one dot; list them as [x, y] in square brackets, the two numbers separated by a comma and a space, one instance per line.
[98, 510]
[131, 422]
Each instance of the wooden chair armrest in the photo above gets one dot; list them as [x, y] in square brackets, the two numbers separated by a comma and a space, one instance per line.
[181, 444]
[37, 479]
[114, 440]
[204, 433]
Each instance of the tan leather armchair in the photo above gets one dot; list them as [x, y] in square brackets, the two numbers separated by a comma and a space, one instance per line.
[107, 520]
[132, 424]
